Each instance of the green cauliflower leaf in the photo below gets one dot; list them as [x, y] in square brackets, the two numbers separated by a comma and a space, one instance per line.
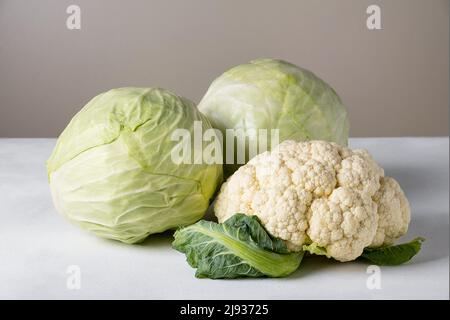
[239, 247]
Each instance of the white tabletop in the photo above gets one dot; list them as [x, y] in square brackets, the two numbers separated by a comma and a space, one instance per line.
[38, 246]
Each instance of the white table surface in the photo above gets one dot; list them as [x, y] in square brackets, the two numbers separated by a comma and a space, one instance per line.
[37, 245]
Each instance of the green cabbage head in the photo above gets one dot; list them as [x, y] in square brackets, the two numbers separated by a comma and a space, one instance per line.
[111, 170]
[274, 94]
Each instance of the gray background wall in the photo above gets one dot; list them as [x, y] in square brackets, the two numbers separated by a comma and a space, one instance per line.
[394, 81]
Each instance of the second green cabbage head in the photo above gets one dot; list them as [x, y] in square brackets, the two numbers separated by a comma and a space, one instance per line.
[273, 94]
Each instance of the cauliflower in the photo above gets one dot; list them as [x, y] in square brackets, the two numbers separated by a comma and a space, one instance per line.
[318, 192]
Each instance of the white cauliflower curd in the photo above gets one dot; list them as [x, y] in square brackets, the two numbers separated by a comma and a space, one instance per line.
[318, 192]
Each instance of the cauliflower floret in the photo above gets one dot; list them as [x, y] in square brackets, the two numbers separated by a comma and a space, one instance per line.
[360, 172]
[318, 191]
[279, 203]
[314, 177]
[393, 212]
[324, 152]
[344, 224]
